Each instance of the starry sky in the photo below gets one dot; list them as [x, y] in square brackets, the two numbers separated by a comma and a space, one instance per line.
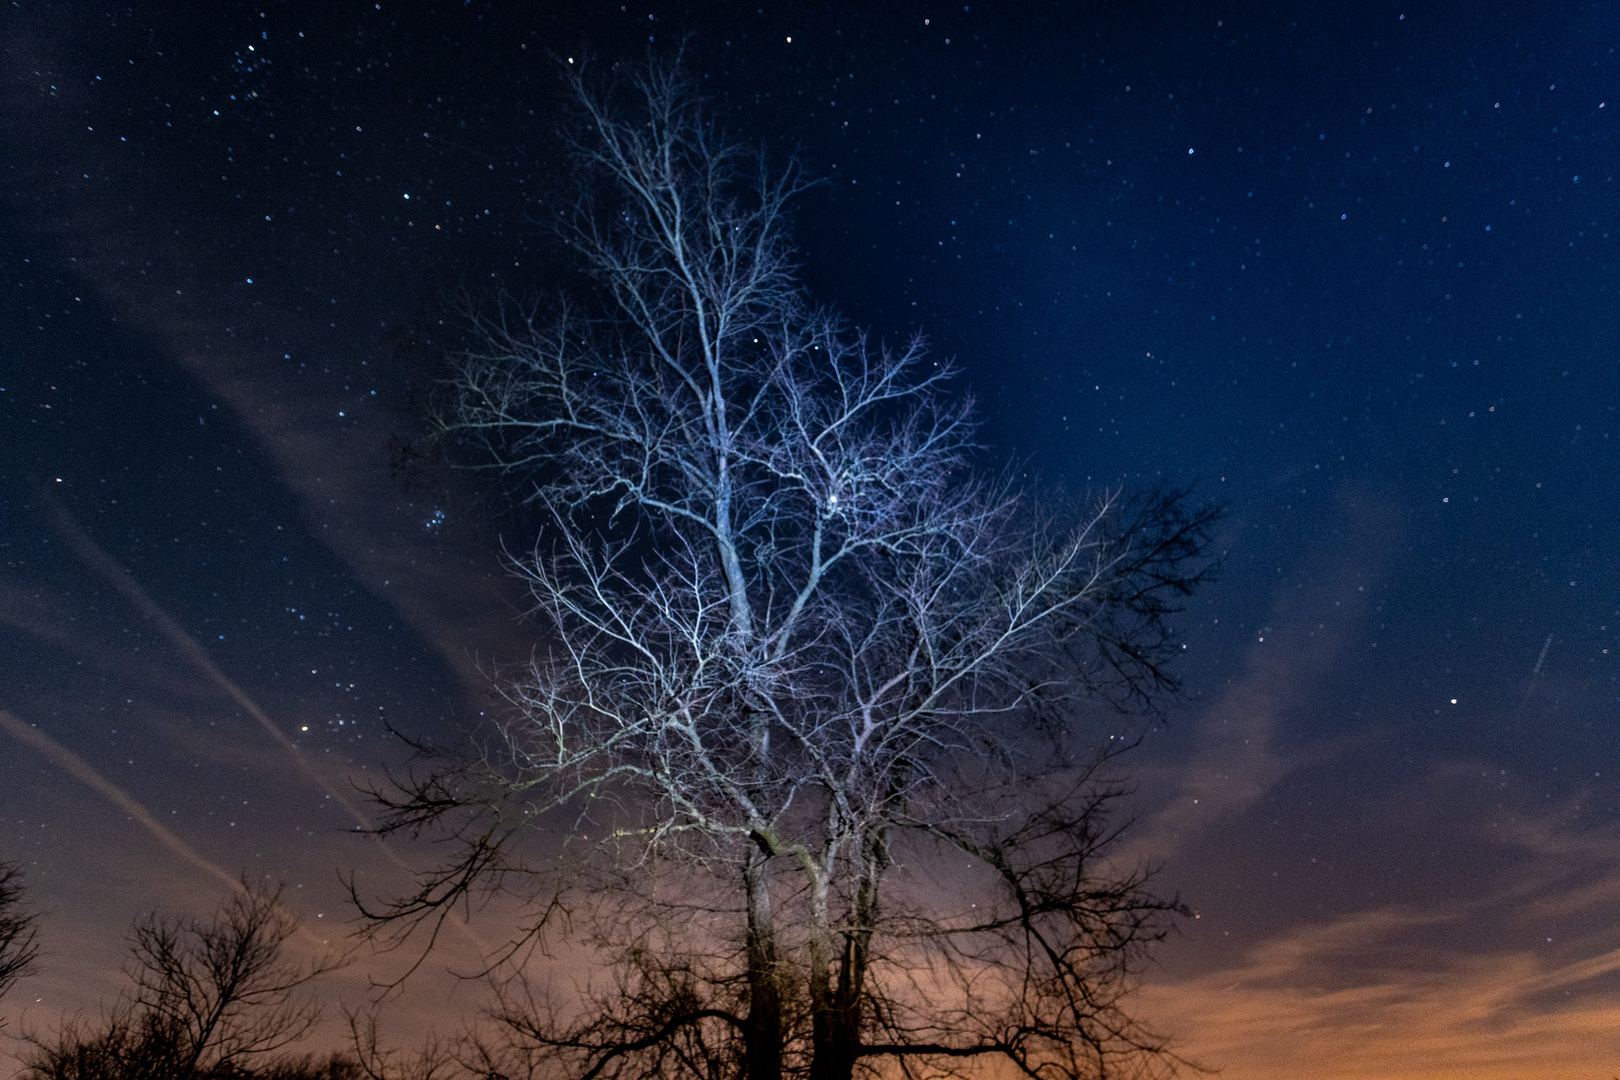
[1350, 268]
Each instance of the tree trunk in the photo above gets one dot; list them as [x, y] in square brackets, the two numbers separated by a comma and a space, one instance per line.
[838, 1024]
[764, 1037]
[823, 1022]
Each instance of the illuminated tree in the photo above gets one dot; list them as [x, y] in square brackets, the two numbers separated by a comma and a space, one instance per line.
[799, 754]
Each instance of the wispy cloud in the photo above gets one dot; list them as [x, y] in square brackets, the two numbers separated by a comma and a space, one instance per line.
[1287, 1011]
[264, 357]
[187, 646]
[1313, 615]
[1517, 976]
[84, 773]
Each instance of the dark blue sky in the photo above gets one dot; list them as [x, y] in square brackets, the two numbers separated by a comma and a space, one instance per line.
[1350, 268]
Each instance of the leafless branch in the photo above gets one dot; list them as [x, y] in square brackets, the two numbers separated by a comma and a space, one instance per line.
[780, 620]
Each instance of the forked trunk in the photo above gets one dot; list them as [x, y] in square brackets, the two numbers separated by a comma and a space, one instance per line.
[837, 1032]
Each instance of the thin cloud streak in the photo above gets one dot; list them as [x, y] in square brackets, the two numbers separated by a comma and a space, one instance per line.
[121, 579]
[1278, 1016]
[82, 771]
[331, 453]
[1306, 631]
[86, 774]
[1519, 977]
[124, 582]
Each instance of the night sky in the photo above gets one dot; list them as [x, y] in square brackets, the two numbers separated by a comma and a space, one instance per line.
[1348, 268]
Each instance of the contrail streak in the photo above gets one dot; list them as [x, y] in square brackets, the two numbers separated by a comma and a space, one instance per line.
[82, 771]
[1542, 659]
[121, 579]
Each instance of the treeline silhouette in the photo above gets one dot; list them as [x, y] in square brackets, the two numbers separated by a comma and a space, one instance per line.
[207, 999]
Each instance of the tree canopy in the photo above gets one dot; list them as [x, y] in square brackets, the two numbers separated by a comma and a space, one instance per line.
[802, 751]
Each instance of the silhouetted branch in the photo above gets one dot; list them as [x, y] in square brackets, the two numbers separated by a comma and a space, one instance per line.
[19, 945]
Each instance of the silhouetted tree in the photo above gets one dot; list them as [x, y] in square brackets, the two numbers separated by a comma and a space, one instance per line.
[437, 1059]
[216, 1000]
[799, 755]
[18, 945]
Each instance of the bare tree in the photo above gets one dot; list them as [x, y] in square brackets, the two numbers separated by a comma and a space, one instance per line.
[796, 655]
[208, 999]
[19, 946]
[435, 1060]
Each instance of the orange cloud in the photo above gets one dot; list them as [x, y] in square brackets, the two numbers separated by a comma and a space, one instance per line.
[1287, 1011]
